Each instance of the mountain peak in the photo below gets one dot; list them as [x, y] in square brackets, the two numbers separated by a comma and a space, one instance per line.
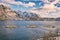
[3, 6]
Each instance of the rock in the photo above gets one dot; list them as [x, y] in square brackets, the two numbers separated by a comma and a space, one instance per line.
[6, 13]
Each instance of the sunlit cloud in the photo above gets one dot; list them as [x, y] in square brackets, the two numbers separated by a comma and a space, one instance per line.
[48, 10]
[29, 4]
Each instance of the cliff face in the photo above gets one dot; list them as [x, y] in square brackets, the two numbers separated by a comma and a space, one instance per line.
[6, 13]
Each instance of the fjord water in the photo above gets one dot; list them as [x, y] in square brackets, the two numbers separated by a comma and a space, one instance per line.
[21, 32]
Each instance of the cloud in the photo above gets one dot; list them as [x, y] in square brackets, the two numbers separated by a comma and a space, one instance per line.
[11, 2]
[48, 10]
[31, 4]
[50, 1]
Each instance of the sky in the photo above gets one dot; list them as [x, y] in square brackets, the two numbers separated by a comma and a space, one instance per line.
[45, 8]
[23, 5]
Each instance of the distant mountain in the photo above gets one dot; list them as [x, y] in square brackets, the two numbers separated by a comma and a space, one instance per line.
[27, 15]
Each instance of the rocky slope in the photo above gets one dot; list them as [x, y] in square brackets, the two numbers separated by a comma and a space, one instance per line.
[6, 13]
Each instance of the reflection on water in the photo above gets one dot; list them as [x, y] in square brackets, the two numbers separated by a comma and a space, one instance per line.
[21, 32]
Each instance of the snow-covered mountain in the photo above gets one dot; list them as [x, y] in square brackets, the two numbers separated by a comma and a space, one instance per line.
[27, 15]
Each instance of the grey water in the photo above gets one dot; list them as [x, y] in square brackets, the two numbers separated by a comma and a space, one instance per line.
[21, 32]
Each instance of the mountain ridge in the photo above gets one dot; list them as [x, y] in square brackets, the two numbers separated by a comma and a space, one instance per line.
[7, 13]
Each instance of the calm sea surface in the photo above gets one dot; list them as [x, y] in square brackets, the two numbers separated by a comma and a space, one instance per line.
[22, 32]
